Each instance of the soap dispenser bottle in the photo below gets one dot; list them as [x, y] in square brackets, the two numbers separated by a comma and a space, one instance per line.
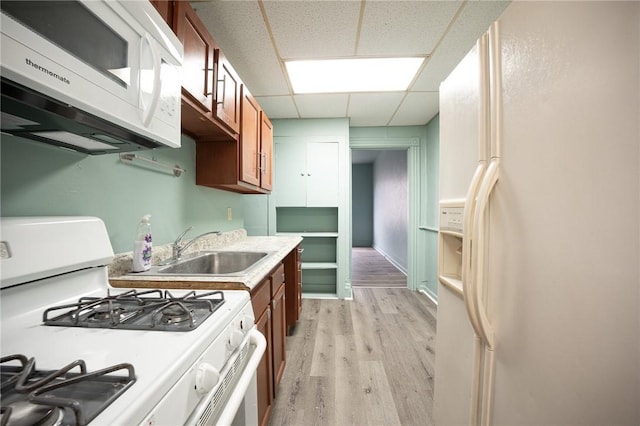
[142, 246]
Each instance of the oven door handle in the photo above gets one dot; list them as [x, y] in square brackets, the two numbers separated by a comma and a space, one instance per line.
[235, 399]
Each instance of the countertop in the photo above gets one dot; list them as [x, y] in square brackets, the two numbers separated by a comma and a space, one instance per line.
[278, 248]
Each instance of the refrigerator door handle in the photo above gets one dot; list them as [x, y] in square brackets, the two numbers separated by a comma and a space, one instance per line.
[467, 246]
[485, 330]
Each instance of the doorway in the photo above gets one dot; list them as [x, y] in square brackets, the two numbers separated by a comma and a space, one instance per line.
[379, 217]
[411, 145]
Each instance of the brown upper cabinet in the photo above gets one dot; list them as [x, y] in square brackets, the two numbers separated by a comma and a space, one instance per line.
[256, 143]
[266, 147]
[166, 10]
[228, 86]
[210, 86]
[245, 167]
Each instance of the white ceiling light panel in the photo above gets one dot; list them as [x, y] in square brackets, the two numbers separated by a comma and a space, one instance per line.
[352, 75]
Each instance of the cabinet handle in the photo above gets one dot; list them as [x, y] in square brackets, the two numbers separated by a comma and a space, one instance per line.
[208, 70]
[262, 167]
[224, 85]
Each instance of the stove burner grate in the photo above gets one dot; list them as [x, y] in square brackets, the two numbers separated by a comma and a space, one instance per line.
[138, 310]
[60, 397]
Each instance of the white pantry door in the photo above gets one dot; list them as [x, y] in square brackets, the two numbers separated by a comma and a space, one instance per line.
[307, 174]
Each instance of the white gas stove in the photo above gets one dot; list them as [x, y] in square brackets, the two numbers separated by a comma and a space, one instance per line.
[169, 358]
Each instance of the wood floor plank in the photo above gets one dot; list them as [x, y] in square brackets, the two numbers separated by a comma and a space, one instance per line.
[379, 402]
[350, 407]
[386, 302]
[367, 345]
[323, 357]
[322, 397]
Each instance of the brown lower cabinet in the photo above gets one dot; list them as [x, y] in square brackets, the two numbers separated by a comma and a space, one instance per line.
[293, 288]
[268, 300]
[264, 373]
[278, 325]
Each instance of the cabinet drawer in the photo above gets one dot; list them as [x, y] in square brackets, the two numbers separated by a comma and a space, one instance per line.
[261, 297]
[277, 279]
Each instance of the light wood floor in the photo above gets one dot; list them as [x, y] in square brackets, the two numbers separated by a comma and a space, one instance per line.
[369, 361]
[369, 268]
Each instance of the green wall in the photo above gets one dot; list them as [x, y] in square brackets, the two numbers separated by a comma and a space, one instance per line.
[41, 180]
[362, 205]
[310, 127]
[428, 231]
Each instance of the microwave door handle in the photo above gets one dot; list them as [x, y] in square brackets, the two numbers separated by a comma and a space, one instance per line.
[148, 110]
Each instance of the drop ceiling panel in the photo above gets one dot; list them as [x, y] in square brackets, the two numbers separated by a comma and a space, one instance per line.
[313, 29]
[416, 109]
[238, 27]
[278, 106]
[322, 106]
[474, 19]
[373, 109]
[398, 28]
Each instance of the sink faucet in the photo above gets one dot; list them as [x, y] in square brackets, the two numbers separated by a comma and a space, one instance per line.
[178, 248]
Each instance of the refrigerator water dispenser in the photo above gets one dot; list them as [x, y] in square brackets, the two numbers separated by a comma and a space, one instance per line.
[450, 244]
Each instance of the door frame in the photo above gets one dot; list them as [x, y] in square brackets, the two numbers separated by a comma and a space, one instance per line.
[412, 145]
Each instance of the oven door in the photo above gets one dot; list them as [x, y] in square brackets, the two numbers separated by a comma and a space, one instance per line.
[115, 60]
[234, 400]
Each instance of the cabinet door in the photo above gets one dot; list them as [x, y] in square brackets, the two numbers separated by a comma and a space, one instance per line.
[290, 161]
[266, 152]
[307, 174]
[279, 331]
[299, 282]
[227, 93]
[198, 63]
[264, 372]
[293, 287]
[322, 174]
[250, 156]
[165, 8]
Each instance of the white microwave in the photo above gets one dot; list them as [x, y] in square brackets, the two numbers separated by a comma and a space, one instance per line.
[95, 76]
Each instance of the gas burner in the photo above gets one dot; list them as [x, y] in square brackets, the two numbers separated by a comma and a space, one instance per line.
[25, 413]
[138, 310]
[175, 314]
[60, 397]
[105, 312]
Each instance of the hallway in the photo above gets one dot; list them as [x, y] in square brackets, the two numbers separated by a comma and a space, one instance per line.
[369, 268]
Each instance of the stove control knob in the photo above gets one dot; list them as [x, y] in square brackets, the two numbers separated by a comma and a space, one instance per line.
[207, 376]
[246, 323]
[235, 338]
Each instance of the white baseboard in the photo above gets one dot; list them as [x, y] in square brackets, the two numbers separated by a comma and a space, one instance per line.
[391, 260]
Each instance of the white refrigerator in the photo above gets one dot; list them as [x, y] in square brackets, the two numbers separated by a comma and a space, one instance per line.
[539, 260]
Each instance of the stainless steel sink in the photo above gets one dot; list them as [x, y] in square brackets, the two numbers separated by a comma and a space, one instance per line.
[212, 263]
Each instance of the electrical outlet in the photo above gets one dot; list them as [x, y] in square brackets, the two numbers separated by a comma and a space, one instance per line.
[229, 214]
